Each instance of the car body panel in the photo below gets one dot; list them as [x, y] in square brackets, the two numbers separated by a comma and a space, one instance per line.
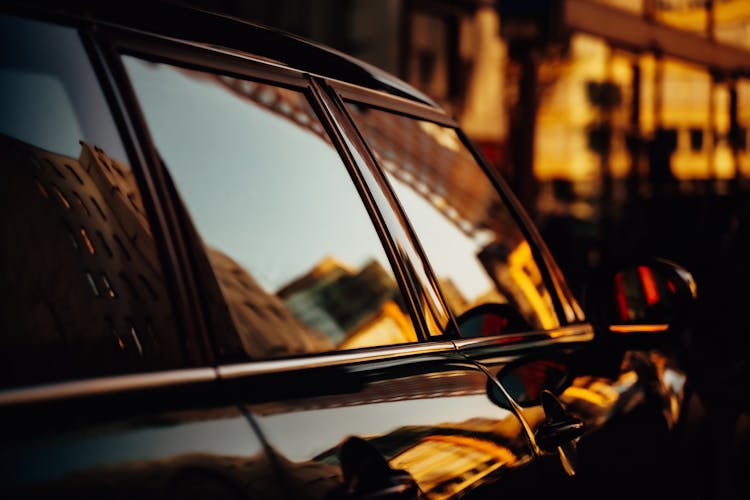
[436, 417]
[424, 412]
[153, 436]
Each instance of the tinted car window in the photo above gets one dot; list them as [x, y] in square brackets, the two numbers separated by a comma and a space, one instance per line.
[291, 244]
[50, 96]
[83, 290]
[475, 247]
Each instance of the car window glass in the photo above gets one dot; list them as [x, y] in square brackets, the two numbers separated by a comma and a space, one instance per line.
[475, 247]
[83, 290]
[291, 244]
[50, 97]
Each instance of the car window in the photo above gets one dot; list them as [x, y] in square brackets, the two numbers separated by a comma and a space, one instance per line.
[291, 244]
[475, 246]
[83, 290]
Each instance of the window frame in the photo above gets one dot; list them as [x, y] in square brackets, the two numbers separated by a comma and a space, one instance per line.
[120, 42]
[565, 305]
[370, 168]
[102, 43]
[152, 183]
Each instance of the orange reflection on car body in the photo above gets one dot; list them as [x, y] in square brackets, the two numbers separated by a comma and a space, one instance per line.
[638, 328]
[438, 462]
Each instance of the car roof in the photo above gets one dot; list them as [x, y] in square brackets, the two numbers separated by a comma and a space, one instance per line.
[172, 19]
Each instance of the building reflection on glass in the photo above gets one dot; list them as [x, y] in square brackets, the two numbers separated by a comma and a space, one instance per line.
[353, 307]
[88, 290]
[307, 314]
[291, 244]
[83, 290]
[330, 307]
[476, 249]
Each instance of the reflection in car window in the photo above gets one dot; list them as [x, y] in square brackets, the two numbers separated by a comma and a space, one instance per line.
[50, 96]
[474, 245]
[83, 291]
[290, 242]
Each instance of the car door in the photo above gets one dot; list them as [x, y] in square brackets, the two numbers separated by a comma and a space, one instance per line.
[610, 407]
[104, 388]
[311, 303]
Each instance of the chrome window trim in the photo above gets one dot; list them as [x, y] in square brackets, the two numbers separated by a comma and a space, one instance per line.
[335, 96]
[564, 306]
[240, 370]
[203, 57]
[369, 176]
[105, 385]
[536, 338]
[125, 383]
[353, 93]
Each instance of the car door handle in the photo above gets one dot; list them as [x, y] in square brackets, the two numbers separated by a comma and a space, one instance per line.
[560, 427]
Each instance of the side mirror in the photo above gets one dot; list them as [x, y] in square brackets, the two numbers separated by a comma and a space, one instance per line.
[525, 380]
[641, 300]
[489, 319]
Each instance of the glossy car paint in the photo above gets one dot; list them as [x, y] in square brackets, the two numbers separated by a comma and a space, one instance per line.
[170, 434]
[424, 412]
[430, 419]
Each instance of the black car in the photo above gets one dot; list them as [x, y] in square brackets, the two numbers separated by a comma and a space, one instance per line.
[236, 264]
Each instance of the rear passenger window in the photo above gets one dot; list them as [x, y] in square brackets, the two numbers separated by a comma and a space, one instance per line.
[291, 244]
[82, 289]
